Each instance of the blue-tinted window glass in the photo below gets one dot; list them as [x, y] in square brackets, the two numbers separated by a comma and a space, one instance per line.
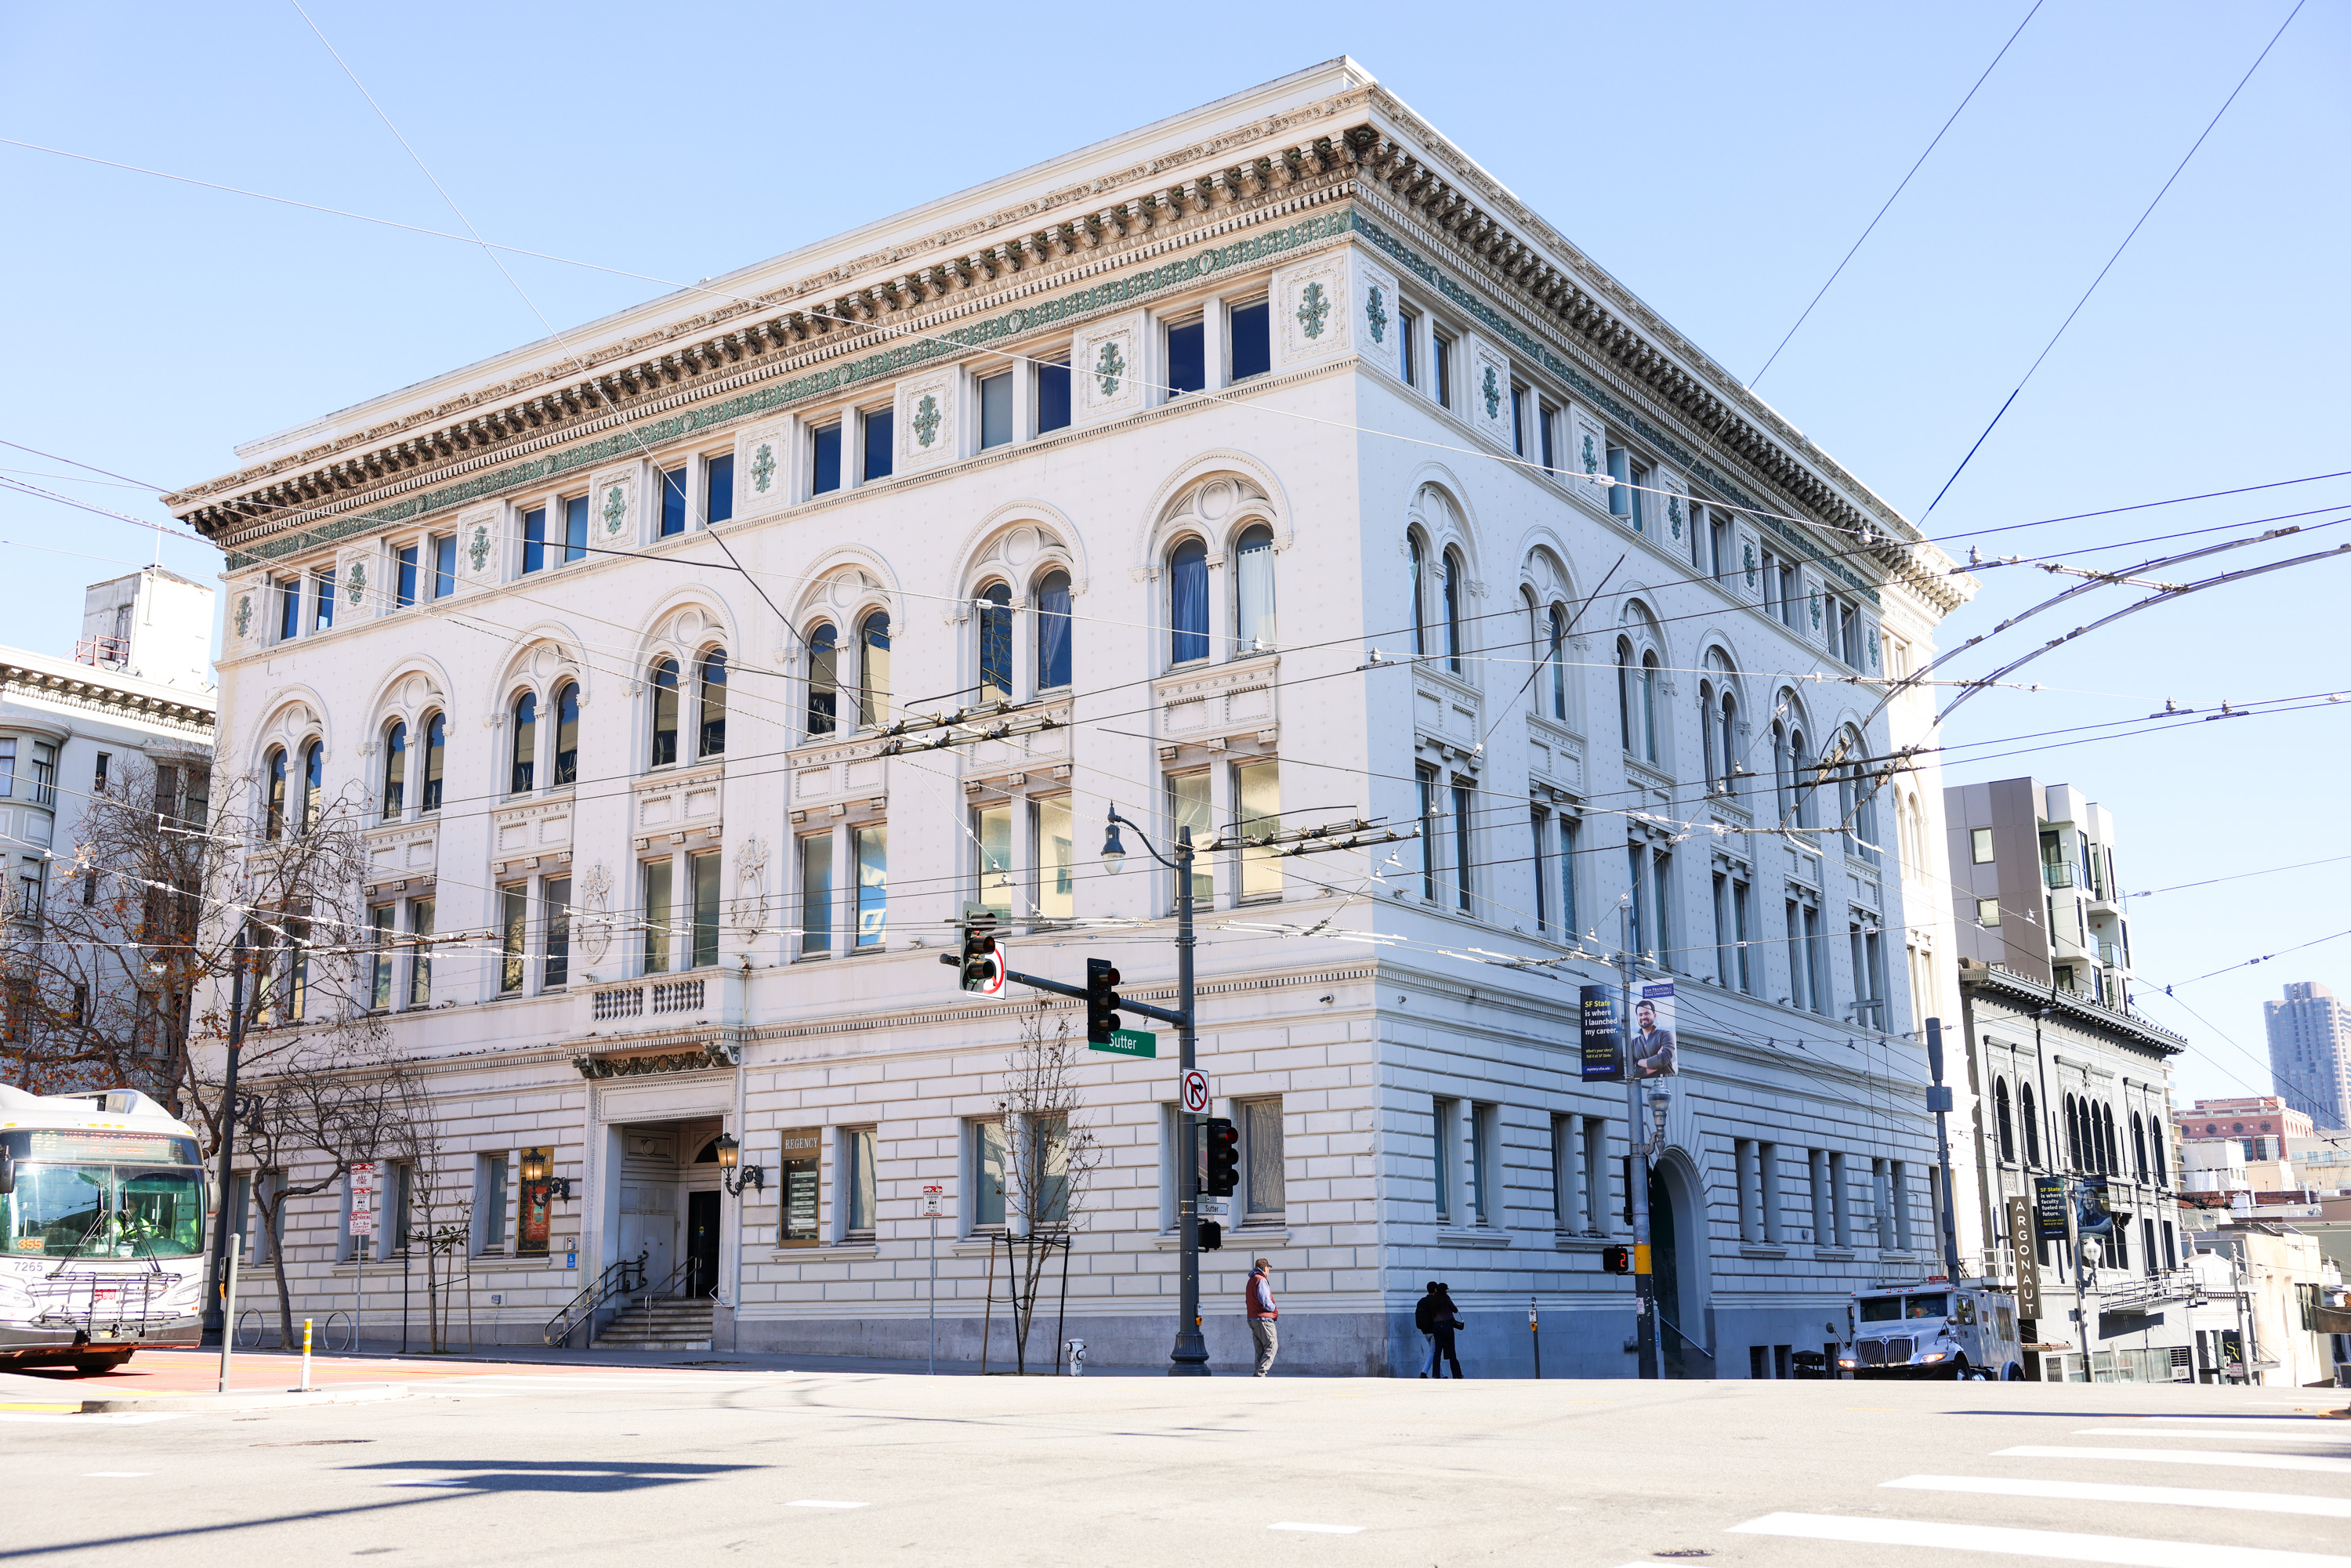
[325, 615]
[996, 643]
[575, 529]
[1052, 397]
[996, 410]
[1188, 601]
[534, 539]
[828, 460]
[824, 680]
[718, 479]
[290, 607]
[1252, 340]
[673, 498]
[404, 589]
[879, 450]
[1053, 630]
[1188, 359]
[444, 566]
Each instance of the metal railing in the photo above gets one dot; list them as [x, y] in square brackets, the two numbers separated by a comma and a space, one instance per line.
[2145, 1289]
[2057, 874]
[619, 1278]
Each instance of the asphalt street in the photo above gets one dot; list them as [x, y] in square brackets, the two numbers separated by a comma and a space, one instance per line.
[616, 1464]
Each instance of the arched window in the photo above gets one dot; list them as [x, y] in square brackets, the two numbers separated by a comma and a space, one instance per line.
[1780, 770]
[436, 755]
[2000, 1109]
[824, 680]
[314, 781]
[2162, 1163]
[873, 667]
[713, 711]
[1802, 779]
[1419, 597]
[1559, 662]
[2139, 1146]
[1188, 602]
[1537, 654]
[1705, 732]
[526, 744]
[395, 769]
[1053, 630]
[1624, 690]
[1453, 585]
[996, 643]
[273, 826]
[1727, 725]
[2031, 1117]
[1649, 707]
[2109, 1145]
[1253, 590]
[566, 734]
[664, 684]
[2073, 1134]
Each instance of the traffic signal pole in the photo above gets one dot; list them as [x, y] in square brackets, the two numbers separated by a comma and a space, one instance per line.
[1636, 1173]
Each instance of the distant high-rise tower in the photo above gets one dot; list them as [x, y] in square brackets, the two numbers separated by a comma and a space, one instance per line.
[2310, 1053]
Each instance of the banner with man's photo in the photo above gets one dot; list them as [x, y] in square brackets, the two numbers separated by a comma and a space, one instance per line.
[1654, 1051]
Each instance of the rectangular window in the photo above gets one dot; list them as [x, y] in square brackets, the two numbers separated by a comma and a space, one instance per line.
[106, 761]
[403, 593]
[1722, 939]
[1443, 358]
[1444, 1155]
[514, 916]
[1252, 332]
[1980, 845]
[1408, 350]
[1745, 1164]
[996, 410]
[556, 911]
[1816, 957]
[858, 1185]
[703, 870]
[991, 831]
[718, 488]
[1188, 359]
[1988, 913]
[1485, 1146]
[1464, 860]
[801, 1182]
[655, 956]
[1048, 1162]
[289, 608]
[1425, 779]
[575, 529]
[873, 886]
[322, 613]
[1519, 420]
[986, 1176]
[1661, 909]
[1638, 936]
[1187, 807]
[490, 1205]
[1053, 396]
[824, 455]
[1900, 1193]
[1563, 1173]
[1571, 833]
[816, 893]
[399, 1202]
[1257, 791]
[444, 566]
[381, 929]
[880, 453]
[1742, 898]
[420, 963]
[1791, 594]
[1052, 839]
[1718, 539]
[1840, 1201]
[1768, 1188]
[534, 539]
[1540, 823]
[7, 767]
[1549, 424]
[672, 502]
[1261, 1161]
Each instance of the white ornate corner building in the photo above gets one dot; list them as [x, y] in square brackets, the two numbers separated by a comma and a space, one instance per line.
[1247, 467]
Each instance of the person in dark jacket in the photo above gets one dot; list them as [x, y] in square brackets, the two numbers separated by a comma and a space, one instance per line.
[1435, 1316]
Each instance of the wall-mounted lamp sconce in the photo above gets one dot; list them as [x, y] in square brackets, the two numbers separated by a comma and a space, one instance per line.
[536, 1166]
[735, 1174]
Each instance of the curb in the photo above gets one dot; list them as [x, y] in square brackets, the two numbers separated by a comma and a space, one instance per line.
[256, 1399]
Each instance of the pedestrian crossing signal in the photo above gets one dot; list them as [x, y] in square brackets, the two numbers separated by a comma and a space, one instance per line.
[1617, 1259]
[1212, 1236]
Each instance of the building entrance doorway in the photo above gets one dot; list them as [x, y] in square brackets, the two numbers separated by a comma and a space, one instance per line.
[669, 1210]
[1681, 1337]
[701, 1243]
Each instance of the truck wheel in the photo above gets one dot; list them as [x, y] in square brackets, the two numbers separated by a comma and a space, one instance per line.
[94, 1363]
[2016, 1374]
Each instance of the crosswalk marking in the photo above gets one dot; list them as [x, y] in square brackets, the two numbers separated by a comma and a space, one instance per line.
[2184, 1456]
[2235, 1434]
[2064, 1544]
[1321, 1529]
[2106, 1491]
[821, 1502]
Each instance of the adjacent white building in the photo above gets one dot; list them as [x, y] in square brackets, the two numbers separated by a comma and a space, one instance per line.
[1253, 467]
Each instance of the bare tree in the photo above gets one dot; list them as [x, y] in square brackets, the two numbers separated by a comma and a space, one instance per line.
[440, 1209]
[1049, 1159]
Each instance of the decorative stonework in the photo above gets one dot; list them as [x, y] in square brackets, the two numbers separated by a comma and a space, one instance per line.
[1103, 362]
[1747, 549]
[616, 511]
[925, 422]
[1674, 513]
[1375, 314]
[763, 467]
[646, 1064]
[1108, 367]
[1816, 609]
[1313, 309]
[355, 584]
[1873, 647]
[244, 614]
[480, 550]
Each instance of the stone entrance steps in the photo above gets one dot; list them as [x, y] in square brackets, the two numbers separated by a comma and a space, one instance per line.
[671, 1324]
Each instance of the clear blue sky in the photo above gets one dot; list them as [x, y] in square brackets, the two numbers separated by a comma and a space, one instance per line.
[1717, 159]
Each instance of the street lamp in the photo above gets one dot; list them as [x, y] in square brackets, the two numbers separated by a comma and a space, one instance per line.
[534, 1168]
[736, 1177]
[1190, 1357]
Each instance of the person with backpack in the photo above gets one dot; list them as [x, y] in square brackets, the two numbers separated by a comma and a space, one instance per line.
[1435, 1316]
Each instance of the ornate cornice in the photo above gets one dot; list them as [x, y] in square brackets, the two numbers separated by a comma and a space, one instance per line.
[179, 713]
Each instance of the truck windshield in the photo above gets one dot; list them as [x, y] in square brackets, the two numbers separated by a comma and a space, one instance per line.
[1881, 1309]
[103, 1211]
[1926, 1306]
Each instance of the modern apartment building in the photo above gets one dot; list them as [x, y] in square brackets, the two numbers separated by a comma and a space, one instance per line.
[2310, 1053]
[1269, 466]
[2033, 889]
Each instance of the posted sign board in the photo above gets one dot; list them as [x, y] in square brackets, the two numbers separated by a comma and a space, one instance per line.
[1655, 1053]
[2024, 1252]
[803, 1146]
[362, 1191]
[1603, 1038]
[2049, 1206]
[1135, 1042]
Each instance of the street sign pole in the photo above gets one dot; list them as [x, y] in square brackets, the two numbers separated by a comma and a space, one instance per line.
[1645, 1284]
[1190, 1357]
[931, 1207]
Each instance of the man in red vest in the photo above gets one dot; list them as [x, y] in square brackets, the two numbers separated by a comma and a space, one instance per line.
[1258, 1295]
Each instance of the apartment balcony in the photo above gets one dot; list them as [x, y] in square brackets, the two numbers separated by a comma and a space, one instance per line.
[2057, 873]
[696, 999]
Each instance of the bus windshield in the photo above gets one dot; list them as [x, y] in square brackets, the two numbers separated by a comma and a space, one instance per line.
[103, 1211]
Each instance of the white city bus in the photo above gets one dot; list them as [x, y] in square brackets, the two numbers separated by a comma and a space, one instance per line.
[102, 1219]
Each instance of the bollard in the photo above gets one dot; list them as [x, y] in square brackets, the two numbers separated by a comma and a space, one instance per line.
[306, 1355]
[1534, 1333]
[228, 1310]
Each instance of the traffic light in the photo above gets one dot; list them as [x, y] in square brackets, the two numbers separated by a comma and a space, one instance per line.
[1212, 1236]
[1223, 1172]
[1101, 1001]
[1617, 1259]
[979, 966]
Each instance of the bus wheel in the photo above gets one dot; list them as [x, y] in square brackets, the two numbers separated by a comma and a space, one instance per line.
[93, 1363]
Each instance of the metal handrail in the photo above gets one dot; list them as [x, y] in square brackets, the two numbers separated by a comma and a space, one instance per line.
[667, 1290]
[619, 1278]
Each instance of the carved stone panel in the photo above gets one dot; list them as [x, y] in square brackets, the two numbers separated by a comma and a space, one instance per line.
[764, 475]
[481, 547]
[1313, 311]
[929, 429]
[1109, 368]
[614, 514]
[1375, 312]
[1489, 404]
